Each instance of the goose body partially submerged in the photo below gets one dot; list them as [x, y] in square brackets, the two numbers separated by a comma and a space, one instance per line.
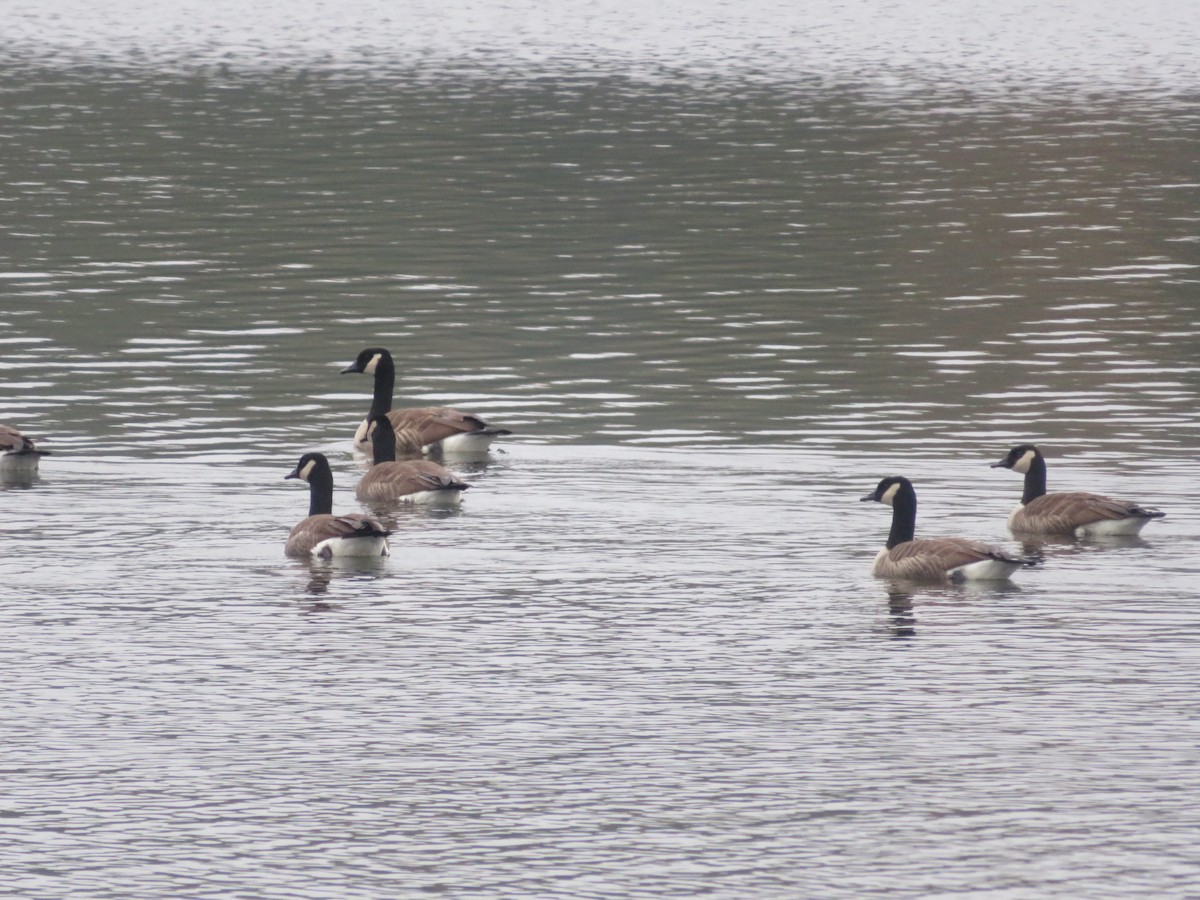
[933, 559]
[19, 455]
[323, 534]
[407, 481]
[1077, 513]
[430, 429]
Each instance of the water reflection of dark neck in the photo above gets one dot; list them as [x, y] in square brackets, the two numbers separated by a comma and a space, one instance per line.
[900, 608]
[1035, 480]
[904, 516]
[385, 383]
[319, 583]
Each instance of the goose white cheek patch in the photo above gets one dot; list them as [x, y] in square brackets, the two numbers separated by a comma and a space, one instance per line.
[1021, 466]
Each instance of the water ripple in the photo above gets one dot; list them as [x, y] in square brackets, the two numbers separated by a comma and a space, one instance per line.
[716, 305]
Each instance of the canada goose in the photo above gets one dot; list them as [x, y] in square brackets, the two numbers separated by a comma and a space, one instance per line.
[933, 559]
[18, 454]
[324, 534]
[411, 481]
[433, 428]
[1067, 512]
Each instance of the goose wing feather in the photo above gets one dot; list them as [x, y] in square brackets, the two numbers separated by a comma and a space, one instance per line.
[931, 558]
[409, 439]
[393, 480]
[435, 423]
[311, 531]
[1064, 511]
[436, 477]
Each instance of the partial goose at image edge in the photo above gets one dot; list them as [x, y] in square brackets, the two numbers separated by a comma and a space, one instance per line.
[19, 455]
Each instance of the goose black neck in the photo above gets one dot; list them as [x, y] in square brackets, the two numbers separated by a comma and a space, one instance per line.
[320, 491]
[385, 383]
[904, 517]
[383, 441]
[1035, 480]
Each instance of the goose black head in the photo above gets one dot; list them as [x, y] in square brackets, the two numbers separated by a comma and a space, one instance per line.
[888, 488]
[310, 464]
[368, 361]
[1020, 458]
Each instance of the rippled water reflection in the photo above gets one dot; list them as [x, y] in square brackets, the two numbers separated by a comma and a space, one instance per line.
[717, 295]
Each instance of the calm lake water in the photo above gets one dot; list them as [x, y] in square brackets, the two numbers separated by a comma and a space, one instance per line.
[719, 269]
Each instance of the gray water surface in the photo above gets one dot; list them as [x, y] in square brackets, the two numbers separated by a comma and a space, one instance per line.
[719, 269]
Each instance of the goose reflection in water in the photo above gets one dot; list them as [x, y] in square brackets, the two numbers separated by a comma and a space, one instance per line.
[1045, 547]
[903, 597]
[319, 576]
[903, 619]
